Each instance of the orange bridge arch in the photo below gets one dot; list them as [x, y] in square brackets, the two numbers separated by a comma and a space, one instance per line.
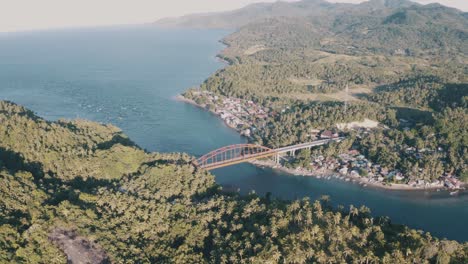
[233, 154]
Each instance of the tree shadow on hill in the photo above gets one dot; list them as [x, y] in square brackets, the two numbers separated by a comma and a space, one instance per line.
[70, 190]
[414, 115]
[362, 96]
[68, 125]
[117, 139]
[58, 189]
[407, 83]
[14, 162]
[451, 95]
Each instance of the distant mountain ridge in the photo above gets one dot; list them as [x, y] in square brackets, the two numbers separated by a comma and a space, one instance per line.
[259, 11]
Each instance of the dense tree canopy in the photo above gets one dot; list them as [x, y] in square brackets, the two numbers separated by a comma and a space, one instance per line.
[160, 208]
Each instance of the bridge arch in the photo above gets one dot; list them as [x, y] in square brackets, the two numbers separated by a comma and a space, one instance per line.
[239, 153]
[233, 154]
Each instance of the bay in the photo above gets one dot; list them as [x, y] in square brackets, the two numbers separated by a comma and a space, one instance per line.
[129, 76]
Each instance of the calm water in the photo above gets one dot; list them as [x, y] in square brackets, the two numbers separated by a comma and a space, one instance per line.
[129, 76]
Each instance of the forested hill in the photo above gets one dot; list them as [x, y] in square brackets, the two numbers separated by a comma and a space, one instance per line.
[364, 46]
[248, 14]
[319, 9]
[410, 31]
[83, 191]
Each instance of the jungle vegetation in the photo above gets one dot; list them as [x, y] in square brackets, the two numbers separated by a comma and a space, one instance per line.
[141, 207]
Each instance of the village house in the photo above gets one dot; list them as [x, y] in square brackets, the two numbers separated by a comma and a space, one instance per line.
[328, 134]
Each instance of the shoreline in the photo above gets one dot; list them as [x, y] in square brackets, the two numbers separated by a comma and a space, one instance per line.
[329, 174]
[326, 173]
[181, 98]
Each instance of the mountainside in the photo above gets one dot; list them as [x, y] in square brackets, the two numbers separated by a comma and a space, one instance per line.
[256, 12]
[398, 27]
[371, 46]
[81, 192]
[412, 31]
[251, 13]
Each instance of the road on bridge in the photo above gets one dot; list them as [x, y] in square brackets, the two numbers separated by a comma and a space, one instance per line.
[235, 154]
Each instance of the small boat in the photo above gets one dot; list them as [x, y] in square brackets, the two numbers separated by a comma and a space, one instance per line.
[454, 192]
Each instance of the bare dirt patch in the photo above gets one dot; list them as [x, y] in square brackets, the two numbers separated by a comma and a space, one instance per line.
[303, 81]
[366, 123]
[78, 249]
[254, 49]
[353, 95]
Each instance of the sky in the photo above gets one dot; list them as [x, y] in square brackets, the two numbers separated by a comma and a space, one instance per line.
[21, 15]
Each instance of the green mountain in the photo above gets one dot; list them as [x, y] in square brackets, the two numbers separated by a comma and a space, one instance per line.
[375, 26]
[260, 11]
[82, 192]
[248, 14]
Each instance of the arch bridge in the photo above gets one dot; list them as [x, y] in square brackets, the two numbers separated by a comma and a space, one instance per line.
[239, 153]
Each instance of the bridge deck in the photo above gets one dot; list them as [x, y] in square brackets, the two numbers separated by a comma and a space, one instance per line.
[264, 152]
[306, 145]
[240, 159]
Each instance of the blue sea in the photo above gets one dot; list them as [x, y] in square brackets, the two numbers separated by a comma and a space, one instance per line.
[129, 76]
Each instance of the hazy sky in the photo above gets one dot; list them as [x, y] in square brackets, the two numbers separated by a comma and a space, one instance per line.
[16, 15]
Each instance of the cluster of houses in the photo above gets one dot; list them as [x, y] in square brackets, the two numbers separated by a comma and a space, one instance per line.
[242, 115]
[355, 165]
[236, 113]
[451, 182]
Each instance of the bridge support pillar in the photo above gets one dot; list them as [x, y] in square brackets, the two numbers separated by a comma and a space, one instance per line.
[277, 158]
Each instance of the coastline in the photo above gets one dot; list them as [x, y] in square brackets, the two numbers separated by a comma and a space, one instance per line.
[181, 98]
[328, 174]
[325, 173]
